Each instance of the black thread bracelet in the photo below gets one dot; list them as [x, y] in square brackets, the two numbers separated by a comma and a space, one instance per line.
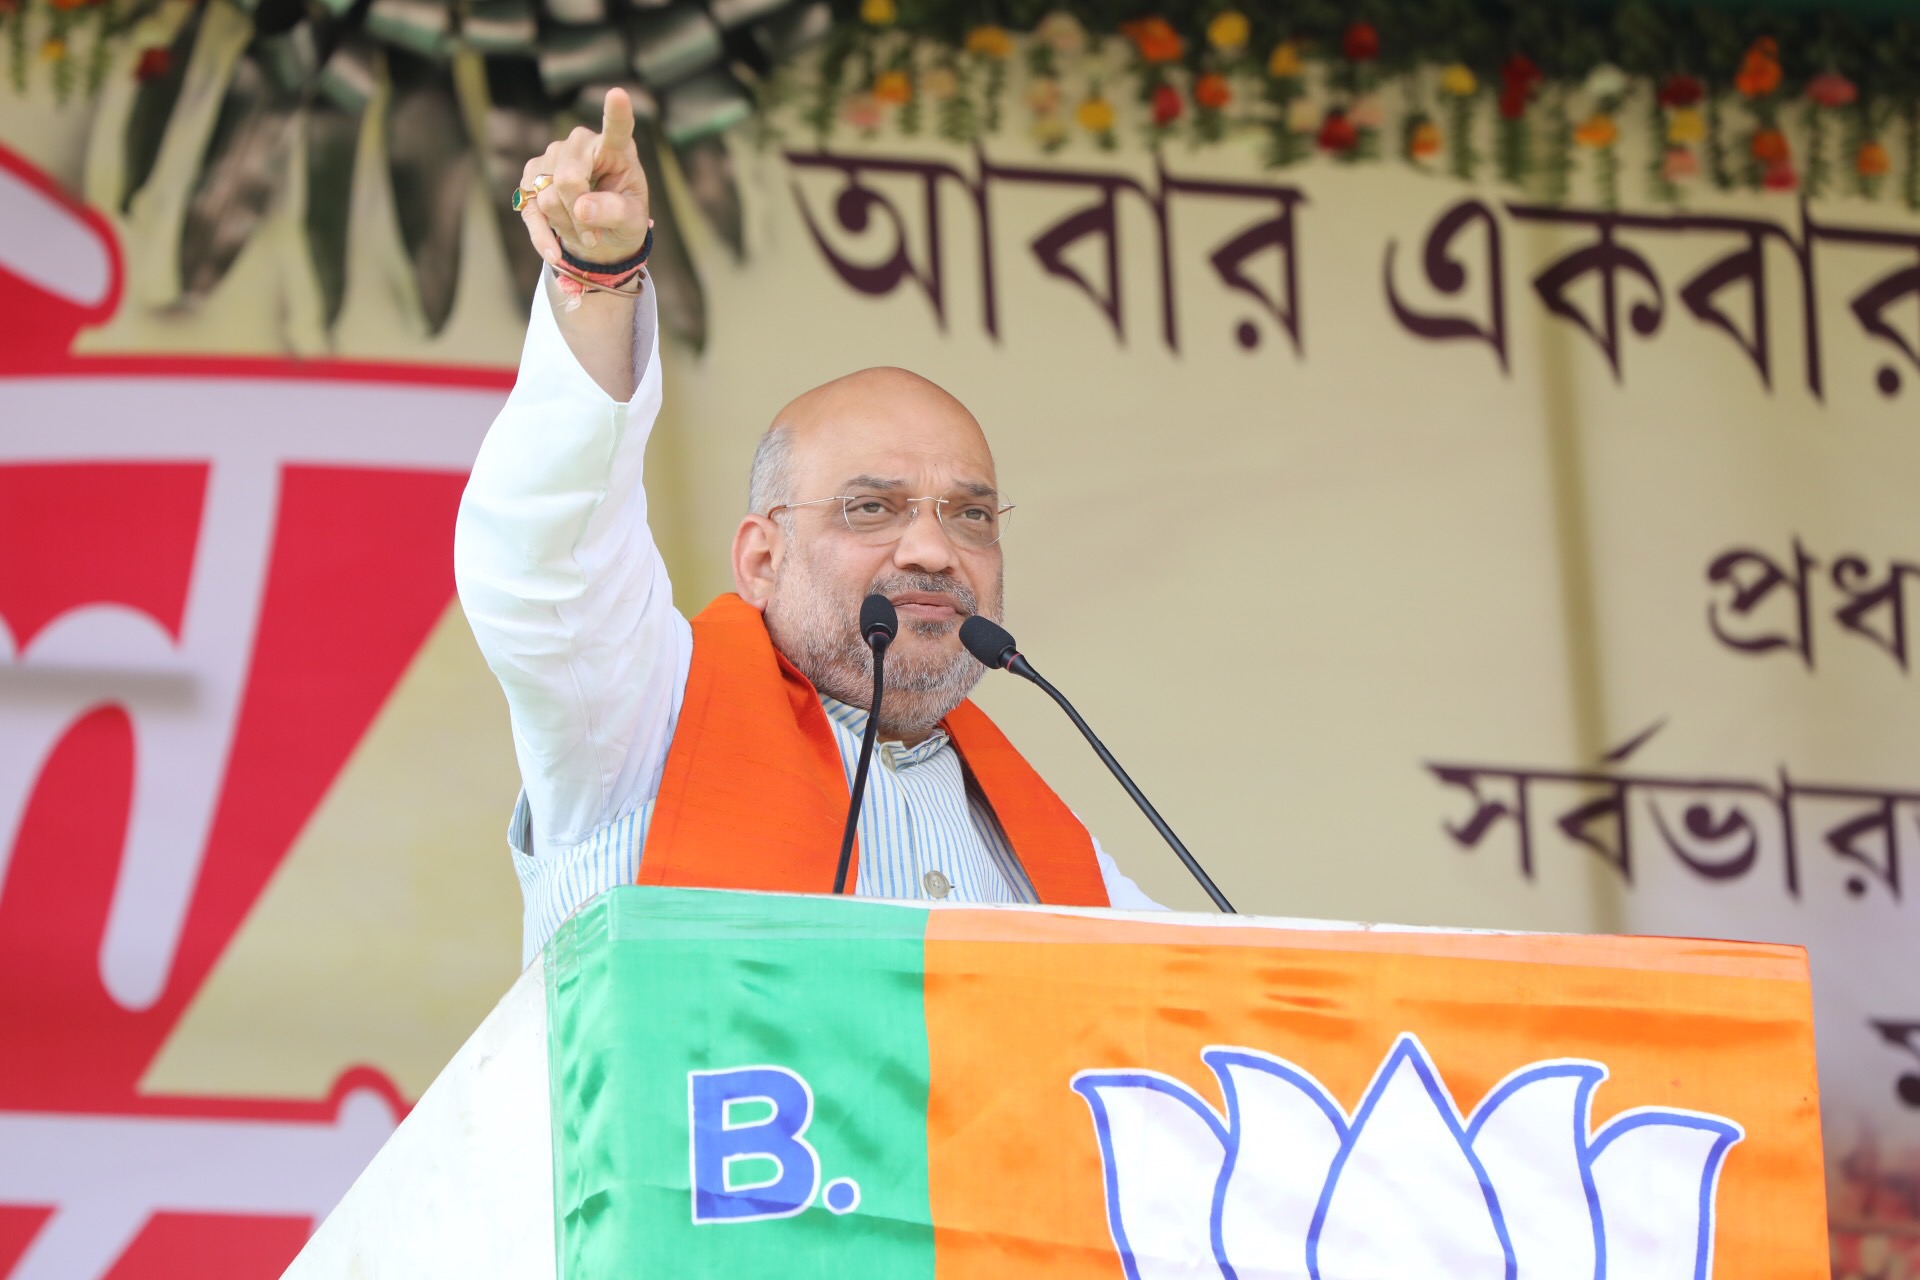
[632, 264]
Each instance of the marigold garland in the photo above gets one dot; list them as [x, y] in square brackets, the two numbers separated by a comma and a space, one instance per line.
[1757, 98]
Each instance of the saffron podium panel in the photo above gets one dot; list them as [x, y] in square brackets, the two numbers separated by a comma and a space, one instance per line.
[747, 1085]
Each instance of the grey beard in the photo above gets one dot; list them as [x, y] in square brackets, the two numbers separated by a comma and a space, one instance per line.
[821, 637]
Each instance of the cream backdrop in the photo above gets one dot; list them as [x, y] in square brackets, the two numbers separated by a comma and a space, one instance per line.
[1280, 585]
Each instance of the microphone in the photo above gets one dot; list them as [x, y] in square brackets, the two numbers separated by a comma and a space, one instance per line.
[878, 621]
[993, 645]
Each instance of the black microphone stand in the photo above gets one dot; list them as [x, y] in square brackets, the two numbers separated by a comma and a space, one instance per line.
[994, 647]
[1021, 667]
[877, 623]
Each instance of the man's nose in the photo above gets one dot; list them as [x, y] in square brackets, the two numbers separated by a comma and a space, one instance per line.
[924, 545]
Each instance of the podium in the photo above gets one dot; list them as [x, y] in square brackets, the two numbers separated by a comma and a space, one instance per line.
[696, 1083]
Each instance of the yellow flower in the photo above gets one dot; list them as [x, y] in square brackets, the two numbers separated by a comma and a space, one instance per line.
[1458, 80]
[989, 42]
[878, 13]
[893, 88]
[53, 49]
[1229, 31]
[1685, 125]
[1597, 131]
[1095, 115]
[1285, 61]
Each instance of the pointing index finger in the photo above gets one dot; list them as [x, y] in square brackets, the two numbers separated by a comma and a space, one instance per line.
[616, 126]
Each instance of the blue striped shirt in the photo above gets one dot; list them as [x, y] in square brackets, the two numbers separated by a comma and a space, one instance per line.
[922, 816]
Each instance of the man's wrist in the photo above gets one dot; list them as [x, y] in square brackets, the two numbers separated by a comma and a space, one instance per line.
[600, 270]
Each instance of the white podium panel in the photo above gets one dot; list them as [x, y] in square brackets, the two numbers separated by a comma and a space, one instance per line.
[464, 1188]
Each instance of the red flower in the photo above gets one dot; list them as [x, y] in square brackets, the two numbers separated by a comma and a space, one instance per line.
[1519, 70]
[1760, 69]
[1780, 176]
[1337, 133]
[1518, 77]
[1681, 91]
[155, 61]
[1166, 105]
[1212, 91]
[1361, 43]
[1831, 89]
[1155, 38]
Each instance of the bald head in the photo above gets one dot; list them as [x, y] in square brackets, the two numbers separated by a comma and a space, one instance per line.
[874, 413]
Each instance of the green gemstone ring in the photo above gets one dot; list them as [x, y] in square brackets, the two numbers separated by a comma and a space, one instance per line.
[523, 195]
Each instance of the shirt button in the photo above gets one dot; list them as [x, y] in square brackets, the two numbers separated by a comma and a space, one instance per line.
[937, 884]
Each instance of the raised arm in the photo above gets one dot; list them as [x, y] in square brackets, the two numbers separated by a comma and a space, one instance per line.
[559, 576]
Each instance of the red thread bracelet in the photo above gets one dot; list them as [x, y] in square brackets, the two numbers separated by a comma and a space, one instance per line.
[574, 284]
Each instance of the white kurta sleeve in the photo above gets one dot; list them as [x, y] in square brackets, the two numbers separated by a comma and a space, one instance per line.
[1122, 893]
[565, 589]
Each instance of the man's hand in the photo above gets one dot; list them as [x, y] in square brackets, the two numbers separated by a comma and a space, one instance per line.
[596, 204]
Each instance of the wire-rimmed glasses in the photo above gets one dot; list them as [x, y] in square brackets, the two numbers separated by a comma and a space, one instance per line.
[970, 520]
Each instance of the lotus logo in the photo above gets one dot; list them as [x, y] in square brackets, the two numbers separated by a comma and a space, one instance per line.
[1288, 1186]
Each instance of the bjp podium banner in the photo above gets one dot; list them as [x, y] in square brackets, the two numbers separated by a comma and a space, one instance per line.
[747, 1085]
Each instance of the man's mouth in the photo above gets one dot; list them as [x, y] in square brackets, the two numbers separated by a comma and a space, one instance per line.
[926, 606]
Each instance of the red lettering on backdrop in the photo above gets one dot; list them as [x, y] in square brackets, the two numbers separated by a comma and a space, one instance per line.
[68, 537]
[214, 573]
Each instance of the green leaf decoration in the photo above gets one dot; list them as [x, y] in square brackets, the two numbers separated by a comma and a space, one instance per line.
[152, 110]
[430, 159]
[708, 170]
[515, 134]
[243, 168]
[682, 299]
[332, 137]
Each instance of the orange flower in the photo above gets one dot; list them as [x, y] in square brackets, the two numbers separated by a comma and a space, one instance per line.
[1425, 141]
[1285, 61]
[1872, 161]
[1597, 131]
[1212, 91]
[1769, 146]
[990, 42]
[892, 88]
[74, 4]
[1760, 69]
[1155, 38]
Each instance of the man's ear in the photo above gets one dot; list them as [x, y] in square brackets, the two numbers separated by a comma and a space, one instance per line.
[758, 545]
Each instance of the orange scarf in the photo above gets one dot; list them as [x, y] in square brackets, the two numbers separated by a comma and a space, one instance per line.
[754, 795]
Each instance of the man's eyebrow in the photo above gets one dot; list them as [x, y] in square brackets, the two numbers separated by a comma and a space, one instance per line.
[976, 489]
[874, 482]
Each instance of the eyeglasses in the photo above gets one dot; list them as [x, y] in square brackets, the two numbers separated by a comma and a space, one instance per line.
[879, 518]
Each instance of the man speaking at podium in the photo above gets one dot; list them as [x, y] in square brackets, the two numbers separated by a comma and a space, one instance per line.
[719, 752]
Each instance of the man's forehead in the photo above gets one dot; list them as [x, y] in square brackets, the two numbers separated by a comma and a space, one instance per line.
[890, 425]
